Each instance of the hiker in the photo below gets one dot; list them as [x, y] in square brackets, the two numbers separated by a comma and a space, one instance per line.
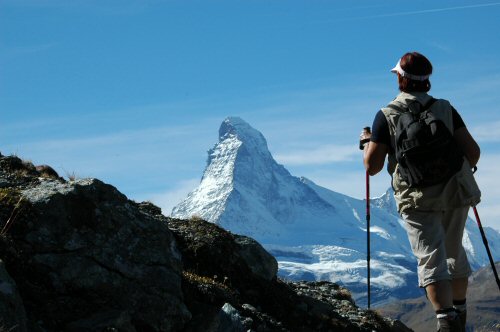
[434, 210]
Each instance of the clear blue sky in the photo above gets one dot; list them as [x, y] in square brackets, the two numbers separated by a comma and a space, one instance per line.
[133, 92]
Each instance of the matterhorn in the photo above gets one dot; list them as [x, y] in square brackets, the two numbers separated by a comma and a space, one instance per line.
[315, 233]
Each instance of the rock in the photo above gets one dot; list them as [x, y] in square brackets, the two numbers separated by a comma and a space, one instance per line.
[12, 314]
[257, 258]
[87, 256]
[47, 171]
[221, 275]
[230, 320]
[213, 251]
[104, 321]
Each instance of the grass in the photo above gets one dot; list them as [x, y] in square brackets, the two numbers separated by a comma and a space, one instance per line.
[11, 206]
[196, 217]
[191, 276]
[71, 175]
[9, 196]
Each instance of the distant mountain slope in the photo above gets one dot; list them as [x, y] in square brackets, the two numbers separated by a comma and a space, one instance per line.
[315, 233]
[483, 302]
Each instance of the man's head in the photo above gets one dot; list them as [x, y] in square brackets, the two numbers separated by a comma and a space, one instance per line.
[413, 70]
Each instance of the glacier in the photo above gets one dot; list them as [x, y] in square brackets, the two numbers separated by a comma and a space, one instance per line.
[314, 233]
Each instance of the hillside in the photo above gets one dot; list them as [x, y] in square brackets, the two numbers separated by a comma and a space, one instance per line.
[483, 300]
[80, 256]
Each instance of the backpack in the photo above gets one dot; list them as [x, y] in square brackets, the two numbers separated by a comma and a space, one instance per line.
[425, 149]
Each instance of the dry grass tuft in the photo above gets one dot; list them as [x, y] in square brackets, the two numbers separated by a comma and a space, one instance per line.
[193, 277]
[196, 217]
[71, 176]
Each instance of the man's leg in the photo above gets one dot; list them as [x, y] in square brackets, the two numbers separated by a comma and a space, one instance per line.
[458, 265]
[428, 242]
[459, 287]
[440, 294]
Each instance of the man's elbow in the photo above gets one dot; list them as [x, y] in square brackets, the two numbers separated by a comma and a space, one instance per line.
[373, 172]
[372, 169]
[474, 156]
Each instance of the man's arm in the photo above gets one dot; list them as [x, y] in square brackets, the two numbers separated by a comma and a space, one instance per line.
[375, 151]
[374, 157]
[468, 145]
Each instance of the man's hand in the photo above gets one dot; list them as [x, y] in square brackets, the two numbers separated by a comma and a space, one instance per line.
[364, 138]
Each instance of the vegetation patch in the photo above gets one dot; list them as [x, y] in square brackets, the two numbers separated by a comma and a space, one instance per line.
[12, 208]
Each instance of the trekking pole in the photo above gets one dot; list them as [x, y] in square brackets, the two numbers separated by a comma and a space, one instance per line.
[368, 232]
[362, 142]
[485, 241]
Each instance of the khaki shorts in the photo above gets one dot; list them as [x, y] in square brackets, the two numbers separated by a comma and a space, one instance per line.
[436, 240]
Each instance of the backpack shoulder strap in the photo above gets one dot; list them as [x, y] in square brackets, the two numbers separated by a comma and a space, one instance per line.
[420, 109]
[429, 104]
[396, 108]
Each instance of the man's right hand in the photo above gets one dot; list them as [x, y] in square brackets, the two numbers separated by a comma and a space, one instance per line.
[364, 137]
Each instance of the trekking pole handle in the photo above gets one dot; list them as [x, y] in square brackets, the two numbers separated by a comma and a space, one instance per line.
[363, 141]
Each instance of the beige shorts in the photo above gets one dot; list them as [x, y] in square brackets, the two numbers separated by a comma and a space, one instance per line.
[436, 241]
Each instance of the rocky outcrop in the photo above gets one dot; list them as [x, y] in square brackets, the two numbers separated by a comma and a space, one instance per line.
[221, 287]
[80, 256]
[12, 312]
[85, 257]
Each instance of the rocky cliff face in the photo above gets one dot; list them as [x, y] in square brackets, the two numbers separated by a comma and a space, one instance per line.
[79, 256]
[85, 257]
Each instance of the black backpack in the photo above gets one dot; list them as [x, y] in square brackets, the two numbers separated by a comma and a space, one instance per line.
[425, 149]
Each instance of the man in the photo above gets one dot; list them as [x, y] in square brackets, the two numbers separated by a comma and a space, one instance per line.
[434, 214]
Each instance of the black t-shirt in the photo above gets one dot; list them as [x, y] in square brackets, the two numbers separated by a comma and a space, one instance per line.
[380, 127]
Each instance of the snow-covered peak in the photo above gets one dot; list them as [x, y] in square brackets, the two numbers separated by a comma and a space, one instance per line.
[245, 190]
[235, 127]
[386, 202]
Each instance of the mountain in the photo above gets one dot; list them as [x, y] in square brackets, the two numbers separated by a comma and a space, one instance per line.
[314, 233]
[483, 306]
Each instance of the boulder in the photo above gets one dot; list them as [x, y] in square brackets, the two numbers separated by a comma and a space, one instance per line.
[230, 258]
[230, 319]
[88, 259]
[12, 314]
[260, 262]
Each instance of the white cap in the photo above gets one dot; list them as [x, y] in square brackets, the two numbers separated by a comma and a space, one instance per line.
[401, 72]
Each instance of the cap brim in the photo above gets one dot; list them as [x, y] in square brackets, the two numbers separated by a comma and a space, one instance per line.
[396, 68]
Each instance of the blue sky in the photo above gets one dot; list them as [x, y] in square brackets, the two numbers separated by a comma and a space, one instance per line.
[133, 92]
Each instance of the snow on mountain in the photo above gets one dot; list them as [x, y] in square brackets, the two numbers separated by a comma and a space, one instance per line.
[244, 190]
[315, 233]
[474, 246]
